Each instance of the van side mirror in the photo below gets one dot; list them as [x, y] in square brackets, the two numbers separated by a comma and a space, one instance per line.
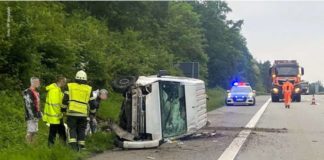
[254, 91]
[302, 70]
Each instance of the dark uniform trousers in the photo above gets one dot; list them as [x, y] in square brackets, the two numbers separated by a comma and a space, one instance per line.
[77, 127]
[54, 130]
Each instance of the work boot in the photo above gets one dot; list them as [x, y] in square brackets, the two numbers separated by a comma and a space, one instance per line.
[74, 146]
[81, 148]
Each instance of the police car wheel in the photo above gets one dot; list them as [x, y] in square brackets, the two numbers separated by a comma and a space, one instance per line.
[253, 102]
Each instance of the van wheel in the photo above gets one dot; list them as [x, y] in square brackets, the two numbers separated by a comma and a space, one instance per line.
[123, 83]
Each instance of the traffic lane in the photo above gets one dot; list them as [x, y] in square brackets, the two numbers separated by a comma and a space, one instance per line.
[235, 116]
[224, 123]
[303, 139]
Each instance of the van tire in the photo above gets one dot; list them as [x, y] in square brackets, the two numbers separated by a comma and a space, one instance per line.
[123, 83]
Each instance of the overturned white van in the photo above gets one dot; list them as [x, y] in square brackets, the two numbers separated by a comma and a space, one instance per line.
[157, 108]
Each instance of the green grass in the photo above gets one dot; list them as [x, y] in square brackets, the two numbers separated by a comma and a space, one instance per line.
[100, 141]
[40, 151]
[216, 98]
[110, 108]
[13, 131]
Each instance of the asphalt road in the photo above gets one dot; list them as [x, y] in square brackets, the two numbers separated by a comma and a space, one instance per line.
[303, 139]
[295, 133]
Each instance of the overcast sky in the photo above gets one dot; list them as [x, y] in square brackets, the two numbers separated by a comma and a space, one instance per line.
[284, 30]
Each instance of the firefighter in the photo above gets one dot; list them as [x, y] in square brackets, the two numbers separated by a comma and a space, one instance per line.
[94, 103]
[52, 111]
[287, 89]
[77, 100]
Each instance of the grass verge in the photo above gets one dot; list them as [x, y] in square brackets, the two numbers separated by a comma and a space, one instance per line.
[109, 109]
[215, 98]
[13, 130]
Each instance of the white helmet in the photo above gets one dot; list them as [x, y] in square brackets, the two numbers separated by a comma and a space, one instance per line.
[81, 75]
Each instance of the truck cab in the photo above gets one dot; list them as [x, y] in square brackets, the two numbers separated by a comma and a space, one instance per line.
[280, 72]
[157, 108]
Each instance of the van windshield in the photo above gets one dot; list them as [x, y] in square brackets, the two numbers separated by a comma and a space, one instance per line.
[173, 109]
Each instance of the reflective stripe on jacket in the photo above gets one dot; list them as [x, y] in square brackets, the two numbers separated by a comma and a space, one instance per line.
[53, 104]
[79, 96]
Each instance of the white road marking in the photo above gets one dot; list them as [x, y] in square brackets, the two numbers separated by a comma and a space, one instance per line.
[232, 150]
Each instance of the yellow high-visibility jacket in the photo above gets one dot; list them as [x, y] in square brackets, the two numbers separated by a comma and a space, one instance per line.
[79, 96]
[52, 110]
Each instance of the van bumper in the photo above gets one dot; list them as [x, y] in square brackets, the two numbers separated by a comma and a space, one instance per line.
[139, 144]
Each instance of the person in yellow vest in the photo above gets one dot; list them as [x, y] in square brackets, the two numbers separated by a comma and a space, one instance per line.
[77, 100]
[52, 111]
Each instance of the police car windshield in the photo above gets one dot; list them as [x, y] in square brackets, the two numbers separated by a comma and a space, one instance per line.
[241, 89]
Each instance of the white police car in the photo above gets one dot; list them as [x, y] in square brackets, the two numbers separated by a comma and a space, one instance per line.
[241, 93]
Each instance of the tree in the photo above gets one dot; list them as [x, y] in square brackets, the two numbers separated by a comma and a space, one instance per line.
[47, 42]
[264, 75]
[173, 27]
[59, 38]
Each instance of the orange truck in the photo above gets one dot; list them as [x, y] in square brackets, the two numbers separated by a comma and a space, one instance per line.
[282, 70]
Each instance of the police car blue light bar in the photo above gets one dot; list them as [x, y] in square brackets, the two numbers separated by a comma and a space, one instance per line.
[241, 84]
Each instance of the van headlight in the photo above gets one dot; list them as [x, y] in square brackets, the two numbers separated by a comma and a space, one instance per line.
[229, 95]
[250, 95]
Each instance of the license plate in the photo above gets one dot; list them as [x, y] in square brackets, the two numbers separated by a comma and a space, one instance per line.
[239, 99]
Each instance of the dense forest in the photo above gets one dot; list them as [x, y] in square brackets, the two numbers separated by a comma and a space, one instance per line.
[110, 39]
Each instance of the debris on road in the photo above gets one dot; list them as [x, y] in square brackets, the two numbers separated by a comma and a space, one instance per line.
[169, 141]
[213, 134]
[150, 157]
[180, 143]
